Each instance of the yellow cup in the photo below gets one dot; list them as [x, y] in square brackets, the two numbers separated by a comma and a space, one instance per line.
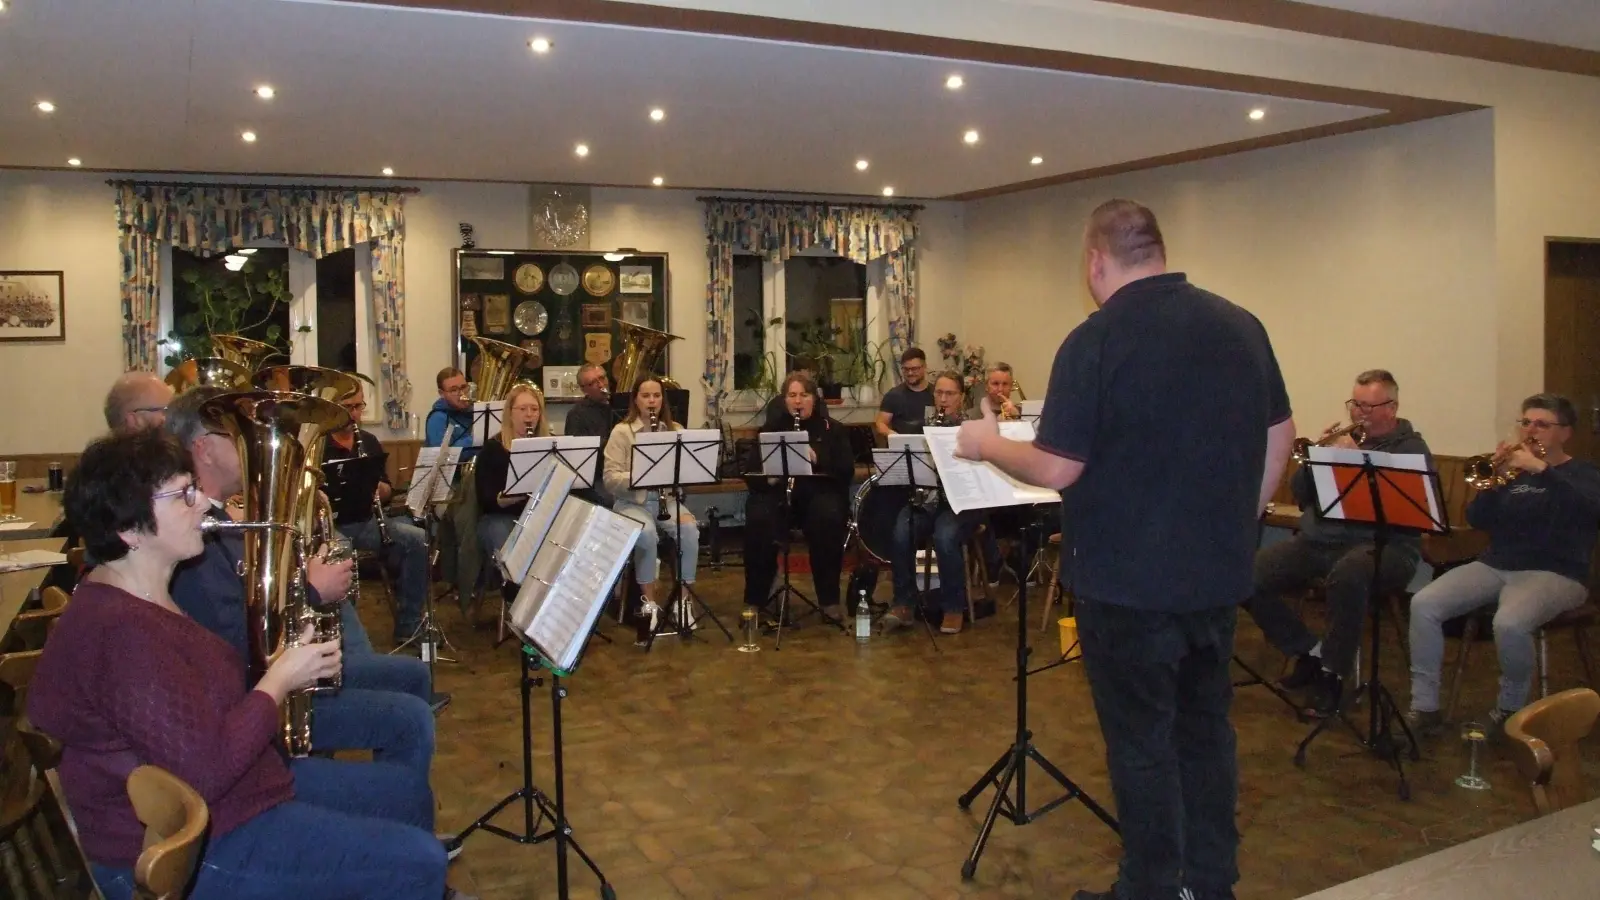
[1069, 635]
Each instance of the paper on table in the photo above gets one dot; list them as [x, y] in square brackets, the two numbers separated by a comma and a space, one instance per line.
[30, 559]
[979, 485]
[15, 526]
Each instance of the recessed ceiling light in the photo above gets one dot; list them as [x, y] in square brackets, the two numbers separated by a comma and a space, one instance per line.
[1257, 115]
[249, 137]
[1036, 161]
[387, 171]
[581, 149]
[657, 114]
[888, 192]
[861, 165]
[45, 106]
[266, 92]
[74, 162]
[954, 82]
[2, 5]
[658, 181]
[971, 136]
[539, 45]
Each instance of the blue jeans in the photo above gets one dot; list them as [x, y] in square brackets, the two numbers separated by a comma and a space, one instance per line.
[646, 561]
[382, 672]
[396, 727]
[409, 554]
[493, 529]
[1162, 690]
[355, 642]
[354, 830]
[949, 532]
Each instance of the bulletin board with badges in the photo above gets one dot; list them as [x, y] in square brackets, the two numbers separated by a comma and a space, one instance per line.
[563, 308]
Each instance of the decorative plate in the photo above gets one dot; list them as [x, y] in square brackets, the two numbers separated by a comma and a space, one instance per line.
[529, 278]
[530, 317]
[598, 280]
[563, 279]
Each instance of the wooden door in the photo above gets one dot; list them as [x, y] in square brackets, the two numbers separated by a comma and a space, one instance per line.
[1572, 336]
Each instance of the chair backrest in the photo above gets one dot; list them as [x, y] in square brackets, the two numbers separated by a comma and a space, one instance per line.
[1544, 738]
[45, 752]
[175, 819]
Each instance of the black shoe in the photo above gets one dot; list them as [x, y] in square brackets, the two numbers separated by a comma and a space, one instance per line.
[1324, 698]
[1307, 669]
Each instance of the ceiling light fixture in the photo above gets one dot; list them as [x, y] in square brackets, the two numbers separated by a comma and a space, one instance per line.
[581, 149]
[74, 162]
[658, 181]
[888, 192]
[971, 136]
[249, 137]
[45, 106]
[266, 92]
[387, 171]
[539, 45]
[657, 114]
[954, 82]
[861, 165]
[1257, 114]
[1036, 161]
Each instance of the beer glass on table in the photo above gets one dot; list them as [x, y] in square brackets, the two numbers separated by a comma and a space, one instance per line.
[8, 491]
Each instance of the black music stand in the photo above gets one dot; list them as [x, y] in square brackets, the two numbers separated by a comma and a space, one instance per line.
[1012, 766]
[776, 462]
[1386, 497]
[660, 466]
[428, 636]
[924, 489]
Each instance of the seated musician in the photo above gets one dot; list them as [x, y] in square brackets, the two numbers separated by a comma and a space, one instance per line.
[998, 383]
[819, 505]
[592, 417]
[906, 406]
[137, 400]
[383, 705]
[458, 529]
[452, 412]
[399, 541]
[128, 679]
[1340, 553]
[649, 407]
[498, 511]
[1542, 528]
[950, 533]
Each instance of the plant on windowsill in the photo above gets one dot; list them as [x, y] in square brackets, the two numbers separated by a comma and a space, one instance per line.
[815, 346]
[228, 303]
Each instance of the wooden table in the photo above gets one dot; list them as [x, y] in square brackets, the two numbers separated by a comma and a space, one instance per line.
[1548, 857]
[41, 508]
[15, 586]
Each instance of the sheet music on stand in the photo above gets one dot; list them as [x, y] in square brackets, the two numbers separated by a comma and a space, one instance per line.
[432, 479]
[570, 580]
[574, 452]
[352, 481]
[657, 464]
[549, 486]
[1031, 410]
[1407, 488]
[486, 421]
[979, 485]
[776, 445]
[890, 464]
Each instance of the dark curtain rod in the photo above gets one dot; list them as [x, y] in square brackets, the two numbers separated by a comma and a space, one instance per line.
[378, 189]
[825, 203]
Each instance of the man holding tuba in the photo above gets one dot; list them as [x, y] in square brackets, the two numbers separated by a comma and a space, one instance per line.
[1340, 553]
[1542, 528]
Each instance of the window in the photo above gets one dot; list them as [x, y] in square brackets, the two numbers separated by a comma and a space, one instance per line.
[326, 316]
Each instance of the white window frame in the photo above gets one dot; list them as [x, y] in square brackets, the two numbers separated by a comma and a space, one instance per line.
[775, 304]
[303, 313]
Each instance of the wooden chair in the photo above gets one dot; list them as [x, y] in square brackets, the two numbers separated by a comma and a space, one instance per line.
[33, 627]
[22, 794]
[1052, 565]
[45, 752]
[175, 820]
[1576, 621]
[1544, 737]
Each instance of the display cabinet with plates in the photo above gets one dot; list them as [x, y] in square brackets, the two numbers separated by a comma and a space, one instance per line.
[562, 307]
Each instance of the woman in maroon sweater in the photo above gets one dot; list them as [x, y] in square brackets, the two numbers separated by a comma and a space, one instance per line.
[127, 679]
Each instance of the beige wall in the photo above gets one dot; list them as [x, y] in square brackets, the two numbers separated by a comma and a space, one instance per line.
[1367, 250]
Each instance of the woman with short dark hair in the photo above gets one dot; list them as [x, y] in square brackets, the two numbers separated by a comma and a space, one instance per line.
[127, 679]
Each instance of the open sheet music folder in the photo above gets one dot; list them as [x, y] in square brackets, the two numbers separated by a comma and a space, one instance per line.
[432, 478]
[1407, 490]
[979, 485]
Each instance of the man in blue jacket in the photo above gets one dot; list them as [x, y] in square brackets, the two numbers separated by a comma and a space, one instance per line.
[458, 536]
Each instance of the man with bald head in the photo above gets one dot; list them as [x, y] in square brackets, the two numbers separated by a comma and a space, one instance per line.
[137, 400]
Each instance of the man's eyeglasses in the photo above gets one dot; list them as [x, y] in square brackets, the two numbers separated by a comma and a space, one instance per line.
[1537, 424]
[455, 390]
[189, 492]
[1365, 407]
[354, 407]
[149, 409]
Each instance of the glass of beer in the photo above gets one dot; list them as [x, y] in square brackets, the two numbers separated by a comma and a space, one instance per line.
[8, 491]
[1474, 734]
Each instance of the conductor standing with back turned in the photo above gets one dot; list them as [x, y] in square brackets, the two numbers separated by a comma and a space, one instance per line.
[1167, 415]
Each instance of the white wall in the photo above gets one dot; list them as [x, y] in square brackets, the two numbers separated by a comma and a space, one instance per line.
[1367, 250]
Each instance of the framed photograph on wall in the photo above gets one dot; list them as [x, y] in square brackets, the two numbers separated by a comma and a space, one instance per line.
[637, 279]
[33, 306]
[636, 312]
[596, 315]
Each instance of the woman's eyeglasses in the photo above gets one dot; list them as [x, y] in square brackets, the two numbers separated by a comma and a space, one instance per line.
[1536, 424]
[189, 492]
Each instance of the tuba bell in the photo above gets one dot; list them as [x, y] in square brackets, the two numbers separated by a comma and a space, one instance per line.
[246, 352]
[277, 435]
[499, 367]
[639, 356]
[211, 371]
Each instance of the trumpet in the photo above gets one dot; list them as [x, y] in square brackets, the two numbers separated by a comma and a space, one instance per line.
[1488, 471]
[1302, 446]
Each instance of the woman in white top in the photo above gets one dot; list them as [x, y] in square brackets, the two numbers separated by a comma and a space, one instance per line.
[649, 406]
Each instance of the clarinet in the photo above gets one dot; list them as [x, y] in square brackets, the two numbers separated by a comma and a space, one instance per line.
[797, 427]
[661, 500]
[377, 505]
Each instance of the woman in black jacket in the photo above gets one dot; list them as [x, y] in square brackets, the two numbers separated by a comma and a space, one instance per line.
[523, 416]
[819, 504]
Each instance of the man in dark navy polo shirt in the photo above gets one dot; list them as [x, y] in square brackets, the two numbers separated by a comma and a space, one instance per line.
[1168, 417]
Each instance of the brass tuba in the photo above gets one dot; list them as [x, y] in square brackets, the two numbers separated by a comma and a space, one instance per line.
[275, 435]
[639, 356]
[499, 368]
[316, 519]
[242, 350]
[212, 371]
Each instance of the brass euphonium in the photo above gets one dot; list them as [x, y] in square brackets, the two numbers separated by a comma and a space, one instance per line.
[1488, 471]
[210, 371]
[275, 435]
[242, 350]
[1302, 446]
[638, 356]
[499, 365]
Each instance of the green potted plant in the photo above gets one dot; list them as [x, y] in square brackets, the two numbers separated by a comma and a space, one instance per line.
[239, 302]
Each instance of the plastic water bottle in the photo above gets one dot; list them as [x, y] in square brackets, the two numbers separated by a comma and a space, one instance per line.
[863, 619]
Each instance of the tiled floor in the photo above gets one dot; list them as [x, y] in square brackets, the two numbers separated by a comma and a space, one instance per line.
[824, 770]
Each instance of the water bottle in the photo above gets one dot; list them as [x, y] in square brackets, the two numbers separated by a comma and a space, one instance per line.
[863, 619]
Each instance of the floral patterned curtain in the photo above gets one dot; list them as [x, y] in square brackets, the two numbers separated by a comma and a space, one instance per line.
[317, 221]
[778, 230]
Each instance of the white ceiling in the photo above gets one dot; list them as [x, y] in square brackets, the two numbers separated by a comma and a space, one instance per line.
[1573, 23]
[166, 85]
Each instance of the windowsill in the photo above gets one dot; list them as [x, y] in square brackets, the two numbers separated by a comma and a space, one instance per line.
[742, 409]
